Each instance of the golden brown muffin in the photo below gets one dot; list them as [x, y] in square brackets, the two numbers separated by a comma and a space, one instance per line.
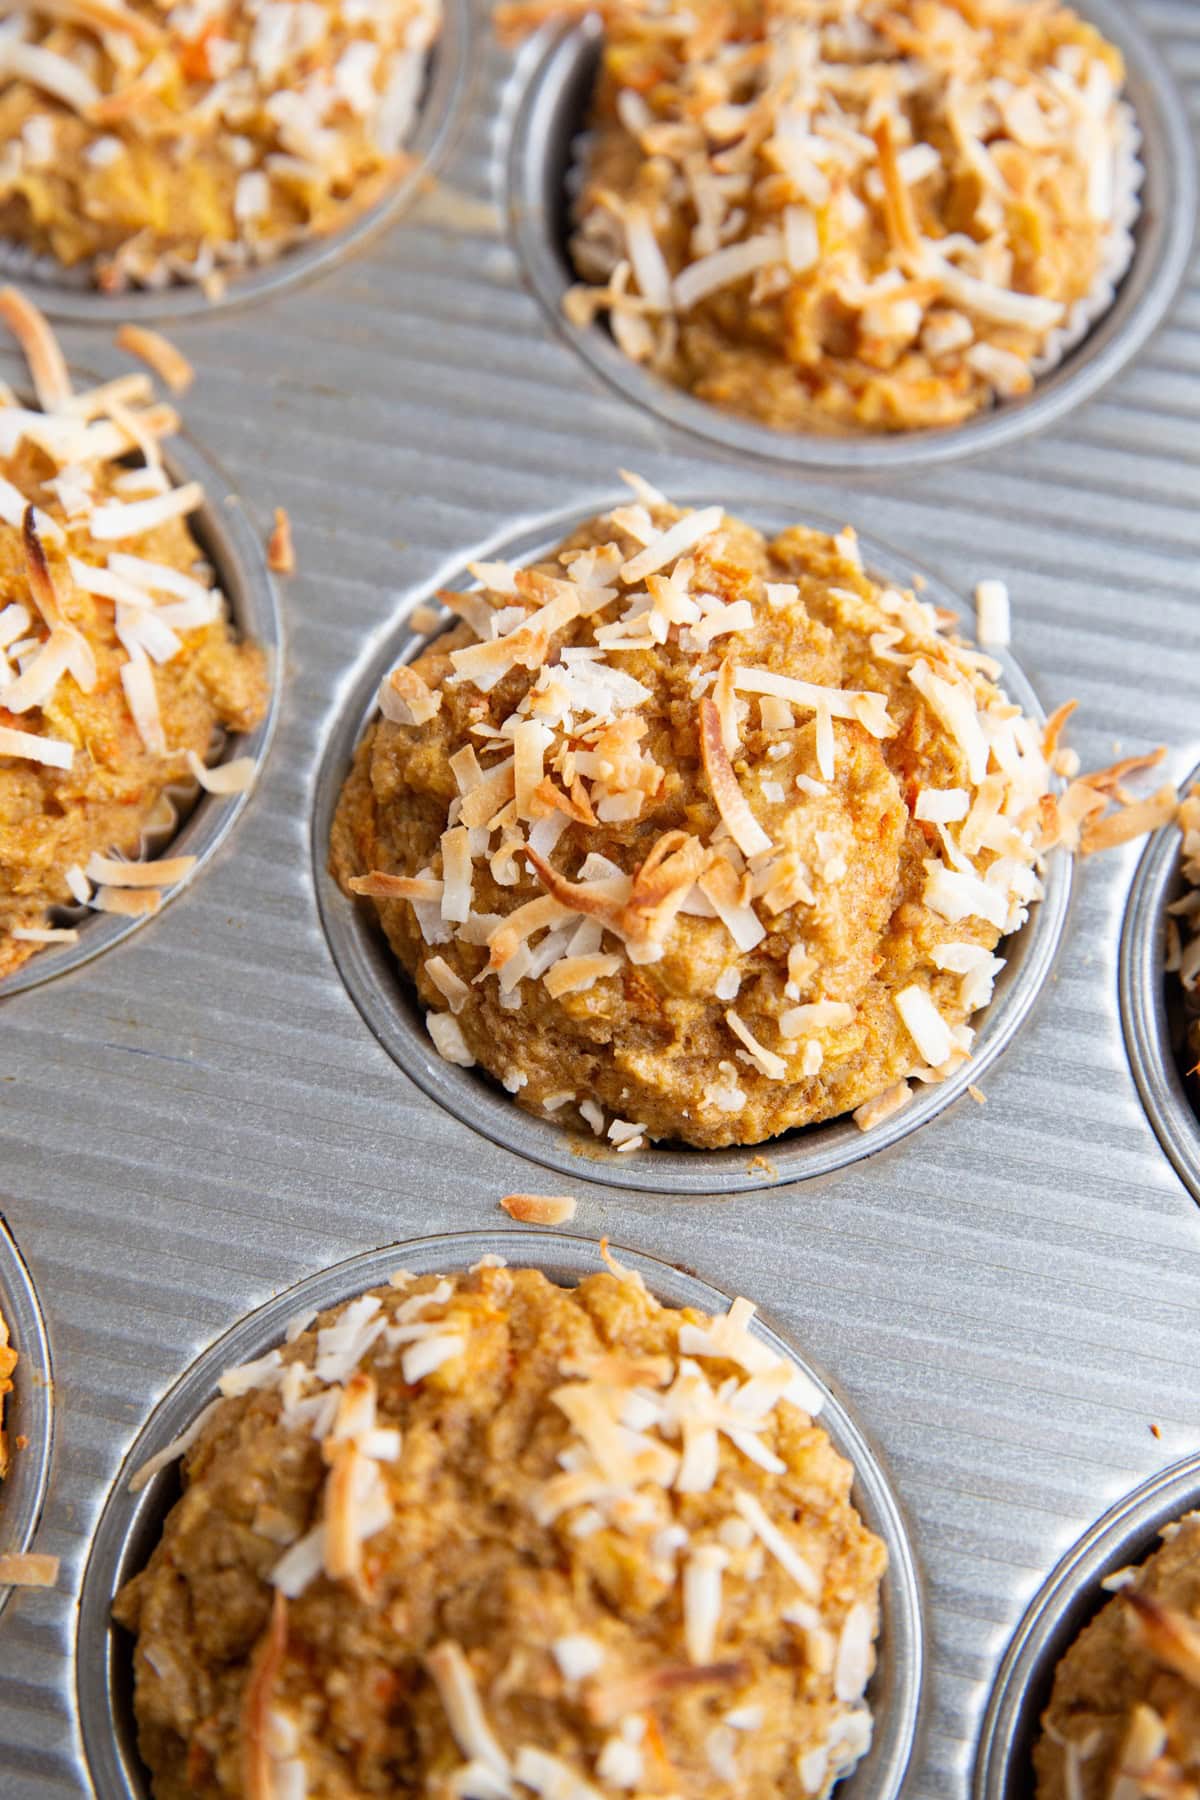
[1123, 1721]
[718, 840]
[118, 664]
[850, 215]
[165, 143]
[482, 1536]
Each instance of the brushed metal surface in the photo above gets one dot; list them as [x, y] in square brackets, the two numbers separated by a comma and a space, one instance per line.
[1145, 1005]
[1072, 1595]
[389, 1005]
[199, 1118]
[553, 111]
[131, 1522]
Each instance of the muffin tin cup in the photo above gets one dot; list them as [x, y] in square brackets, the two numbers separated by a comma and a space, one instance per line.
[28, 1410]
[1128, 1533]
[131, 1523]
[387, 999]
[1146, 1002]
[231, 542]
[69, 295]
[551, 112]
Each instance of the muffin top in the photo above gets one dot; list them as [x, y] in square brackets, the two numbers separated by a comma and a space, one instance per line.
[851, 214]
[177, 142]
[712, 835]
[118, 666]
[481, 1536]
[1123, 1721]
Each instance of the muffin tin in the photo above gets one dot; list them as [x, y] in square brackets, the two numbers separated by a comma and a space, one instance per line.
[200, 1118]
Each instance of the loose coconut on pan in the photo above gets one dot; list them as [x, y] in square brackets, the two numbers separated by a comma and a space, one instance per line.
[870, 215]
[689, 835]
[484, 1538]
[162, 142]
[118, 664]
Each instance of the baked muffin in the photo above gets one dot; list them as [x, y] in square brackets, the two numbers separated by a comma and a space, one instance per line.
[1123, 1721]
[872, 217]
[159, 144]
[482, 1536]
[119, 669]
[688, 834]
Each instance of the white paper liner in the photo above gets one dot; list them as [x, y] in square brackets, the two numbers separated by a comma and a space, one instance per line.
[1117, 250]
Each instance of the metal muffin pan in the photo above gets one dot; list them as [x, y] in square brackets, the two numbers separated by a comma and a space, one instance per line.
[388, 1002]
[28, 1410]
[232, 543]
[1150, 1004]
[552, 114]
[131, 1523]
[198, 1122]
[1072, 1596]
[69, 294]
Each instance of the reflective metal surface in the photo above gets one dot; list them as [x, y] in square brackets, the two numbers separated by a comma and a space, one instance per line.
[200, 1118]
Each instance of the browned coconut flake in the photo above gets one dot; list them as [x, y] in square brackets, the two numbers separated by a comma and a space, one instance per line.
[281, 554]
[539, 1209]
[158, 353]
